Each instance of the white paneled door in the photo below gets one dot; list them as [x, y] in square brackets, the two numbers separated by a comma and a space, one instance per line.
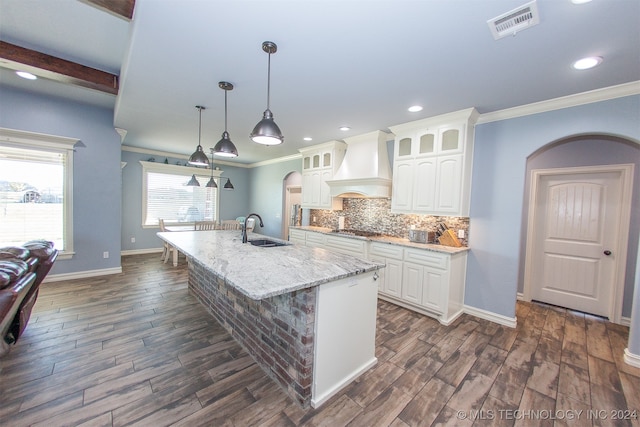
[575, 239]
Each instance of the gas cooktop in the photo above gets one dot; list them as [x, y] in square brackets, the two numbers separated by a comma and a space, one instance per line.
[352, 232]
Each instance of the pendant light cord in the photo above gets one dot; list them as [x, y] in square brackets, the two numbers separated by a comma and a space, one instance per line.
[269, 82]
[200, 125]
[225, 110]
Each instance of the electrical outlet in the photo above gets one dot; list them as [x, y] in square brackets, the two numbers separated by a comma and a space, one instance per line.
[314, 219]
[105, 254]
[460, 234]
[133, 240]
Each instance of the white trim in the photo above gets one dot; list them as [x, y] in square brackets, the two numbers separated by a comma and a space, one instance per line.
[520, 296]
[597, 95]
[177, 156]
[631, 359]
[216, 160]
[45, 142]
[276, 160]
[626, 177]
[82, 274]
[140, 251]
[317, 401]
[625, 321]
[38, 139]
[491, 316]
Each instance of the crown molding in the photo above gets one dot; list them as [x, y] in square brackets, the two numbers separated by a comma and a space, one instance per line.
[604, 94]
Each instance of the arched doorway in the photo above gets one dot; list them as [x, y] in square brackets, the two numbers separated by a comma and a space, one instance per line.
[291, 200]
[547, 261]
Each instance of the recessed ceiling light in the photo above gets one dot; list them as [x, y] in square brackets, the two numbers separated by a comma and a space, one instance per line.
[586, 63]
[26, 75]
[580, 1]
[415, 108]
[308, 138]
[345, 128]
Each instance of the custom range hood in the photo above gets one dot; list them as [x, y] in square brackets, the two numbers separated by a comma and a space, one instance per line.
[365, 170]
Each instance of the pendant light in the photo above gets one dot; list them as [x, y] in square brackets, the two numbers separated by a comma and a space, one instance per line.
[193, 182]
[199, 158]
[212, 182]
[225, 147]
[228, 185]
[267, 131]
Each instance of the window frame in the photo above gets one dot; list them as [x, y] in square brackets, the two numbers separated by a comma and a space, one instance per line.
[52, 143]
[186, 171]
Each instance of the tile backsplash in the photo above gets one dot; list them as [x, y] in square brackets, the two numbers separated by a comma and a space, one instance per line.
[375, 215]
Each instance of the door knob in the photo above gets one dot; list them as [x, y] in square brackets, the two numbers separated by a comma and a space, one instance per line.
[607, 252]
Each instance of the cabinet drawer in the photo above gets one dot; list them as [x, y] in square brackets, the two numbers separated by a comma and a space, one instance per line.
[385, 250]
[354, 247]
[315, 239]
[427, 258]
[297, 235]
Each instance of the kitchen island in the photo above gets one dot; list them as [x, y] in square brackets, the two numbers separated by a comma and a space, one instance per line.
[306, 315]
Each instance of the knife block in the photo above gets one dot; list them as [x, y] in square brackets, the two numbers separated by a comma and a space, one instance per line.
[448, 238]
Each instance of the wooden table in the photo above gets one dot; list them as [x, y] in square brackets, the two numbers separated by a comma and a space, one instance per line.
[177, 228]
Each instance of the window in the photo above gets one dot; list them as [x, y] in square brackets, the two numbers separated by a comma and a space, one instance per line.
[36, 182]
[165, 194]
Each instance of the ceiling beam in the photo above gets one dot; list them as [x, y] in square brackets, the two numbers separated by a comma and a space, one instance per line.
[52, 68]
[120, 8]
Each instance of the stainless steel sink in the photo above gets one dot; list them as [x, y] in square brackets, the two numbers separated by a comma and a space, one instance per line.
[266, 243]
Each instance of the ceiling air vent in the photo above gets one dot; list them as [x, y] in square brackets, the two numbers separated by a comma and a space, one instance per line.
[521, 18]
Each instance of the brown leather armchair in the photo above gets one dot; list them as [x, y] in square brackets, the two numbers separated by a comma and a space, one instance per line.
[22, 270]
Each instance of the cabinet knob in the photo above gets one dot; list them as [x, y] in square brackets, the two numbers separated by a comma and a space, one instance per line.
[607, 252]
[375, 276]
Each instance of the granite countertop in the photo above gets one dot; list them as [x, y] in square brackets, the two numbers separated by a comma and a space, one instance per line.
[388, 239]
[265, 272]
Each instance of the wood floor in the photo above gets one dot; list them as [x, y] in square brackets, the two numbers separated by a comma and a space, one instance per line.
[136, 348]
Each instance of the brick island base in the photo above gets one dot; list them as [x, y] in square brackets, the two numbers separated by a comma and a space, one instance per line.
[312, 342]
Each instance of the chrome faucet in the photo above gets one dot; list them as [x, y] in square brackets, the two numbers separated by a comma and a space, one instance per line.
[244, 225]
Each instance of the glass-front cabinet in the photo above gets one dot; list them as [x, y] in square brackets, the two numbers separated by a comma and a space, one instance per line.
[432, 164]
[319, 164]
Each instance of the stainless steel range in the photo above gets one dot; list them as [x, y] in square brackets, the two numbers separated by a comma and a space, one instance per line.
[352, 232]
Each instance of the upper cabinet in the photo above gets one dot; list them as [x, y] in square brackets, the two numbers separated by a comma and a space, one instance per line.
[432, 164]
[319, 164]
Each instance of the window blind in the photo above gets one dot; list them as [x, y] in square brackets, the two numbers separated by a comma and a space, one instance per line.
[32, 195]
[167, 196]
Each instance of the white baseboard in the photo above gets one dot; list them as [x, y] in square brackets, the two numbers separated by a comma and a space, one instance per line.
[141, 251]
[316, 401]
[520, 296]
[631, 359]
[82, 274]
[491, 316]
[625, 321]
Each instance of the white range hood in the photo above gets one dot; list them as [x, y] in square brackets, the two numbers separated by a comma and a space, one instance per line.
[365, 170]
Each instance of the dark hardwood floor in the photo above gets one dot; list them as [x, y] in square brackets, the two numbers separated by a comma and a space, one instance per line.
[137, 349]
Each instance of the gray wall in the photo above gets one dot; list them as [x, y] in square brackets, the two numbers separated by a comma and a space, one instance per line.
[266, 184]
[233, 203]
[498, 184]
[96, 170]
[589, 151]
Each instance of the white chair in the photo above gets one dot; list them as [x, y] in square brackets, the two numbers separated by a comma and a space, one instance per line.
[204, 225]
[230, 224]
[167, 248]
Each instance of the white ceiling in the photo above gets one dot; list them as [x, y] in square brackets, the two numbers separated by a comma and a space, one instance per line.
[349, 62]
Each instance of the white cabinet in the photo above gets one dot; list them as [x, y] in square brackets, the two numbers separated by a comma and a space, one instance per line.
[390, 281]
[426, 281]
[319, 164]
[422, 280]
[297, 236]
[432, 165]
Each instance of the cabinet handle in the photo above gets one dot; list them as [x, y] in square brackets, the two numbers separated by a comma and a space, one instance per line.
[375, 276]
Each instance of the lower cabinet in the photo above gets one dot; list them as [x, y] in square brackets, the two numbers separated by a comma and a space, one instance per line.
[422, 280]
